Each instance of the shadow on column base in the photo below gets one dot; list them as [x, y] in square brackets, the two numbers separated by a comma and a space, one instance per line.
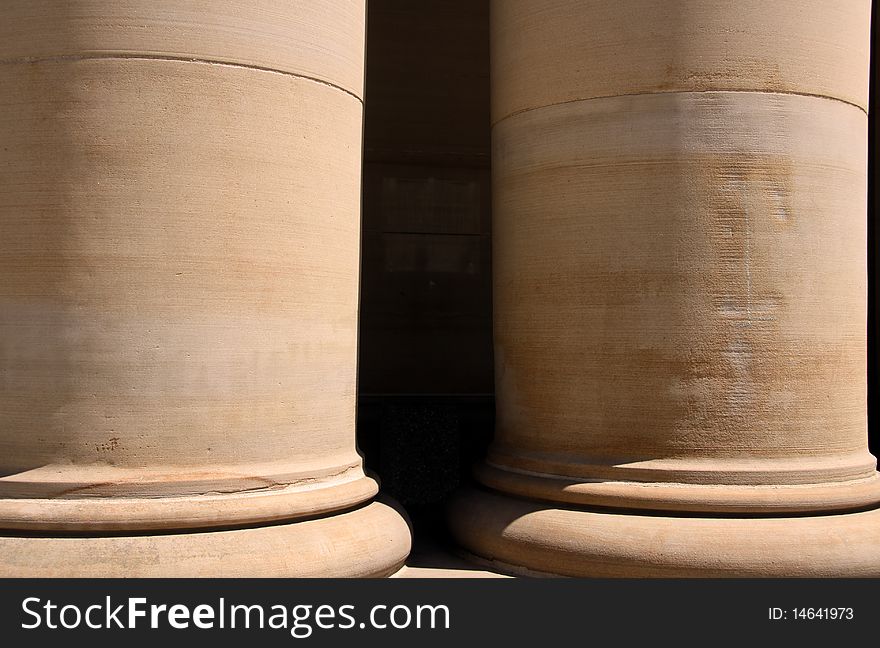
[371, 541]
[538, 539]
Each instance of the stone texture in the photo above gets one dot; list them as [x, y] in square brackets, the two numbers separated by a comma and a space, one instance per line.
[179, 211]
[679, 272]
[536, 539]
[553, 51]
[319, 39]
[368, 542]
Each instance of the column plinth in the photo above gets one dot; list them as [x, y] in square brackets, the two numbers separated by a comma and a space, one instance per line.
[179, 260]
[679, 248]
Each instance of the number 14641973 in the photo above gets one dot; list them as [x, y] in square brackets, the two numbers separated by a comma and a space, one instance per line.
[811, 614]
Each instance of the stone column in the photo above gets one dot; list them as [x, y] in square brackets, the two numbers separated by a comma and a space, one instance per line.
[179, 252]
[680, 289]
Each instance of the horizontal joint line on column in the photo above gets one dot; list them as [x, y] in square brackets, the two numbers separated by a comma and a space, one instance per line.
[179, 59]
[670, 92]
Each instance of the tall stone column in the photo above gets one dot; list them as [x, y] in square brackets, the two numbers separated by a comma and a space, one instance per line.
[680, 289]
[179, 252]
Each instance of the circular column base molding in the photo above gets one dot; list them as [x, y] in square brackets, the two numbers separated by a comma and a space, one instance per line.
[534, 538]
[681, 496]
[372, 541]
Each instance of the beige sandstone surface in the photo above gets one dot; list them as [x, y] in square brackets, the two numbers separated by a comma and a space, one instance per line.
[179, 217]
[679, 245]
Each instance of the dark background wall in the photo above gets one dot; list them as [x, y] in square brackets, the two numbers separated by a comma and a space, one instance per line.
[425, 368]
[426, 219]
[425, 405]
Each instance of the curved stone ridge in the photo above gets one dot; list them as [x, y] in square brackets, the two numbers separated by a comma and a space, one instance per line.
[555, 51]
[530, 538]
[320, 39]
[369, 542]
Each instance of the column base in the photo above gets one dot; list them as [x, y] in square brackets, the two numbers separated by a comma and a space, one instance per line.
[371, 541]
[534, 538]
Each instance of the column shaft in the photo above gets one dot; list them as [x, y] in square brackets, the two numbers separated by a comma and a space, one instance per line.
[179, 258]
[679, 248]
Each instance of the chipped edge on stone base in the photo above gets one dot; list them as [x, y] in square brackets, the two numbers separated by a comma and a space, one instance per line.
[533, 538]
[369, 542]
